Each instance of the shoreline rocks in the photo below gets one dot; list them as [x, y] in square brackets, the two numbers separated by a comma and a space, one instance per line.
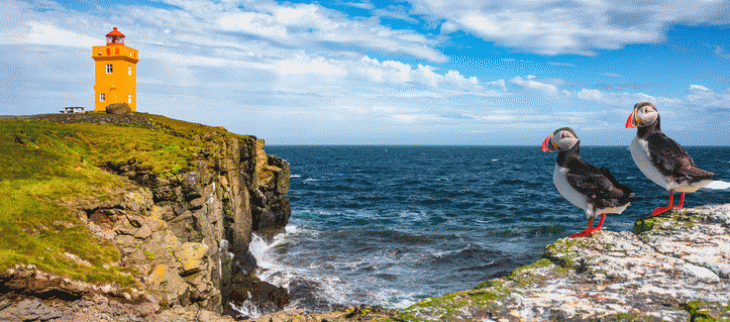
[671, 268]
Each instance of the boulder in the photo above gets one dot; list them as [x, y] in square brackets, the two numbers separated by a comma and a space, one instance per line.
[249, 290]
[118, 108]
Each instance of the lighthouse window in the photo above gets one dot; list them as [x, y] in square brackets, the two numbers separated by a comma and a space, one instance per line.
[129, 98]
[129, 70]
[108, 68]
[102, 97]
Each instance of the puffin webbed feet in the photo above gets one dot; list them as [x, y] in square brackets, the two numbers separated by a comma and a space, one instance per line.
[661, 210]
[588, 231]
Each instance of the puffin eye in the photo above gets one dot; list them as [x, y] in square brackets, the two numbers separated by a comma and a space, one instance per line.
[562, 135]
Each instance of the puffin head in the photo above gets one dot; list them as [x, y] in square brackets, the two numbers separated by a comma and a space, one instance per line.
[644, 114]
[562, 139]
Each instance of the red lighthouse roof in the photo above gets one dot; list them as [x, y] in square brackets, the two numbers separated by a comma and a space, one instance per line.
[114, 37]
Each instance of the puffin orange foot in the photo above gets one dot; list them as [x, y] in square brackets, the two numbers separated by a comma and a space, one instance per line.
[585, 233]
[660, 210]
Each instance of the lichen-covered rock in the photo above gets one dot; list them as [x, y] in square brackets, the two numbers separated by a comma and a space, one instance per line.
[672, 268]
[359, 313]
[190, 257]
[97, 308]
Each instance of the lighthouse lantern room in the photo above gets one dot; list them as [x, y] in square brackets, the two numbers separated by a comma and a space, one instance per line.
[116, 72]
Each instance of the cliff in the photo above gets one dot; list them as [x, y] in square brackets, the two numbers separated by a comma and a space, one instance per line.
[132, 217]
[670, 268]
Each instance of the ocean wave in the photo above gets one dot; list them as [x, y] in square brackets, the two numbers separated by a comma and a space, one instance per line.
[442, 254]
[310, 287]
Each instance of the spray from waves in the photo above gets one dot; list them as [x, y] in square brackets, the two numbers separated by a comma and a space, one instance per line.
[307, 289]
[313, 286]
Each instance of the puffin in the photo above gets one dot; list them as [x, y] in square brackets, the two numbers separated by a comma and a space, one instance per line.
[592, 189]
[661, 159]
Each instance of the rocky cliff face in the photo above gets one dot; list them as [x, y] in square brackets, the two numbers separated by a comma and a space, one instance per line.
[190, 233]
[185, 237]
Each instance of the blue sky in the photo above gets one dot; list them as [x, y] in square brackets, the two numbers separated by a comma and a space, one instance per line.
[388, 72]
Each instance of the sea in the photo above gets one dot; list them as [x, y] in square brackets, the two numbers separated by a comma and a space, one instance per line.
[393, 225]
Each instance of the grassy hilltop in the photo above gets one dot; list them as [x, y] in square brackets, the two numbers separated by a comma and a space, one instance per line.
[46, 165]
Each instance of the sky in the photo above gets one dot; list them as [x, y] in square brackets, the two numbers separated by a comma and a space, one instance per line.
[426, 72]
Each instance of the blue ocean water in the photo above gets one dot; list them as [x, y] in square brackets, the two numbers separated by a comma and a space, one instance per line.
[392, 225]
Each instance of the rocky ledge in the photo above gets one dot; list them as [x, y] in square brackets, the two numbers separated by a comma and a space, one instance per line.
[670, 268]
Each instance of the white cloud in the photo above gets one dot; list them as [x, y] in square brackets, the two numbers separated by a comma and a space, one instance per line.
[395, 12]
[46, 34]
[451, 82]
[698, 87]
[260, 28]
[720, 52]
[624, 98]
[701, 97]
[253, 24]
[302, 64]
[312, 25]
[531, 83]
[577, 27]
[362, 5]
[590, 95]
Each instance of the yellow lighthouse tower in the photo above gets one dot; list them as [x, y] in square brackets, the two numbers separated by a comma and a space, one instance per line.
[116, 72]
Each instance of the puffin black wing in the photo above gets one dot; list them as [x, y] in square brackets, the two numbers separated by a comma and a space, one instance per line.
[615, 182]
[595, 184]
[671, 159]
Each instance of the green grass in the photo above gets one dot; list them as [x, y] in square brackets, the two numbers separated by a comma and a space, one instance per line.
[45, 165]
[184, 129]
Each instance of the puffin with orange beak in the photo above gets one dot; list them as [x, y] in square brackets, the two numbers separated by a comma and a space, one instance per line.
[661, 159]
[592, 189]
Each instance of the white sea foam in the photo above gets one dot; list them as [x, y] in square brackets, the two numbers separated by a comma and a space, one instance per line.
[316, 278]
[441, 254]
[295, 176]
[718, 185]
[248, 308]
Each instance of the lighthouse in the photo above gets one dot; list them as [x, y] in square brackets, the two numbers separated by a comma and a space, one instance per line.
[115, 66]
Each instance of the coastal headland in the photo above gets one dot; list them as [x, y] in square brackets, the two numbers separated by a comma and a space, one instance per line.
[133, 217]
[144, 218]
